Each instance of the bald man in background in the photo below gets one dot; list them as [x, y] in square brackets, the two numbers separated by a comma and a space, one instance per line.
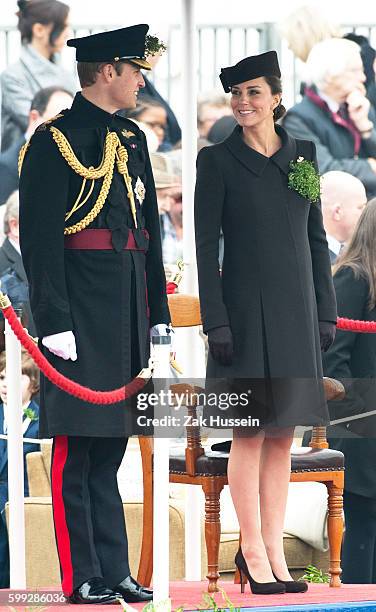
[343, 198]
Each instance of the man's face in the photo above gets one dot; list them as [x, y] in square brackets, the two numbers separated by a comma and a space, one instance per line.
[124, 88]
[209, 115]
[58, 101]
[351, 213]
[168, 199]
[352, 79]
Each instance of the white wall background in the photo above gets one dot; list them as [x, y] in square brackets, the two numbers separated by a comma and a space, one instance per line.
[160, 14]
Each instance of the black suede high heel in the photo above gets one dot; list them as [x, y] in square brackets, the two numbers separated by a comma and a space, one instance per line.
[293, 586]
[257, 588]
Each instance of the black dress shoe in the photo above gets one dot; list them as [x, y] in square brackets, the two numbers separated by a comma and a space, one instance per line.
[132, 592]
[257, 588]
[93, 591]
[293, 586]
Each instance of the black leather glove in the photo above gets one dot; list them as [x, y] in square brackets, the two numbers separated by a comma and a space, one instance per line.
[327, 331]
[221, 344]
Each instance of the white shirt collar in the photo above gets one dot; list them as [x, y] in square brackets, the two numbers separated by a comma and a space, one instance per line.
[15, 245]
[26, 421]
[333, 244]
[333, 105]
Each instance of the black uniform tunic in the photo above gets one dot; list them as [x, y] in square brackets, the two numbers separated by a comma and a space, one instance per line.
[105, 297]
[276, 281]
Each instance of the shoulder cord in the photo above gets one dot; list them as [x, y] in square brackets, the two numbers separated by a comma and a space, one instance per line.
[112, 149]
[121, 162]
[21, 155]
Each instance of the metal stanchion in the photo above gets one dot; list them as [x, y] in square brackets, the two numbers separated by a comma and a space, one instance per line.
[15, 461]
[189, 128]
[161, 356]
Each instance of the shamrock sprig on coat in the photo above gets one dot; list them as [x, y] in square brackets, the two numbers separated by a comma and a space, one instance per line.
[304, 179]
[153, 45]
[29, 413]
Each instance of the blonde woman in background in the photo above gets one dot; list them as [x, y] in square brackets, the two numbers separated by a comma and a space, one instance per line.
[305, 27]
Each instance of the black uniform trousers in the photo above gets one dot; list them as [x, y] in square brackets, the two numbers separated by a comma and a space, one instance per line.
[88, 512]
[359, 545]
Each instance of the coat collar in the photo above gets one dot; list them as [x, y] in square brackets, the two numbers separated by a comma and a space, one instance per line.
[86, 108]
[42, 70]
[94, 113]
[255, 161]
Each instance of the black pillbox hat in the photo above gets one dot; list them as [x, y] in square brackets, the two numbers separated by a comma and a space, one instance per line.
[125, 43]
[265, 64]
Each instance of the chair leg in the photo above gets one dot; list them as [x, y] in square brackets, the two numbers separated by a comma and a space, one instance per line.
[335, 531]
[212, 490]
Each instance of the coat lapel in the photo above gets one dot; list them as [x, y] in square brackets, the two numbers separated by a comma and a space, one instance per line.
[40, 69]
[256, 162]
[287, 153]
[247, 156]
[14, 259]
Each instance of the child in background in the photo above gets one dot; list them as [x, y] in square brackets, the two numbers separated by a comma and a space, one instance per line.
[30, 387]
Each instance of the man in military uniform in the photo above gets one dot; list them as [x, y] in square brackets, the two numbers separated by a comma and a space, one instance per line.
[91, 246]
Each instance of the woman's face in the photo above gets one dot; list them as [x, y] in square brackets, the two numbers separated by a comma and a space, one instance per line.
[42, 34]
[252, 102]
[156, 118]
[60, 41]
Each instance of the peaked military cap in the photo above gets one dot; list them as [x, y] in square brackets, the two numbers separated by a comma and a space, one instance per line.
[265, 64]
[125, 43]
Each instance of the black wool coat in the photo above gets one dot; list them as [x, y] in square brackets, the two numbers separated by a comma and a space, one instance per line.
[108, 298]
[352, 359]
[276, 279]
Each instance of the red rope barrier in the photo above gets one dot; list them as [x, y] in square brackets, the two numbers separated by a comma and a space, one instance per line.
[61, 381]
[364, 327]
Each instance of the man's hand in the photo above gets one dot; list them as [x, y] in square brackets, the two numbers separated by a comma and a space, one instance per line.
[358, 107]
[63, 345]
[221, 344]
[327, 331]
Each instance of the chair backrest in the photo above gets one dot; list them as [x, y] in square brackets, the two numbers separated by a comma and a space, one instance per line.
[184, 310]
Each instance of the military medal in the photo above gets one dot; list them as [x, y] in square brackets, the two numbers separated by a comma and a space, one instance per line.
[140, 190]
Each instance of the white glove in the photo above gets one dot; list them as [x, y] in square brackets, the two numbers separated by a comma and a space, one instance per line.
[63, 345]
[162, 329]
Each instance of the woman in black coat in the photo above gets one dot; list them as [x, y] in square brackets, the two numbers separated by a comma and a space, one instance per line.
[352, 358]
[272, 309]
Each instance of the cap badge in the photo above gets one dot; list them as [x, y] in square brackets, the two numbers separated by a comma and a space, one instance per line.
[127, 134]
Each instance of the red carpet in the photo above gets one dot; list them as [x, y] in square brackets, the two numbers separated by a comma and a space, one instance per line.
[189, 594]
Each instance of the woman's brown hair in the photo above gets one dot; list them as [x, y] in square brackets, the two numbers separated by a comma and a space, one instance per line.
[360, 255]
[275, 85]
[41, 11]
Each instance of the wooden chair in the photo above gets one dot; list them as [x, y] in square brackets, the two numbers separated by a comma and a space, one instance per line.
[208, 469]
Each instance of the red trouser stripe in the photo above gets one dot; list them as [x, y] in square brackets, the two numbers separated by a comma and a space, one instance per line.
[61, 529]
